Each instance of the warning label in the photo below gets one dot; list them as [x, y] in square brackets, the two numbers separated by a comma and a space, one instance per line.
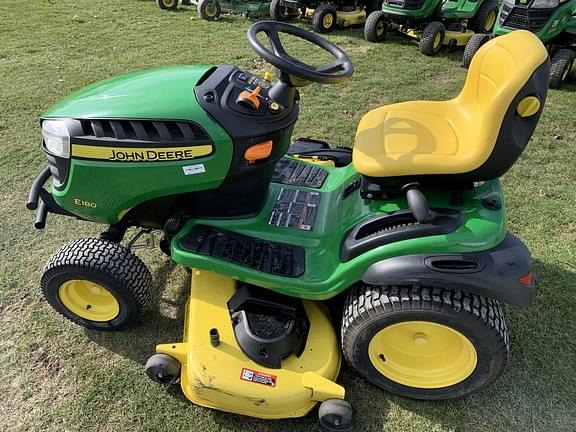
[258, 377]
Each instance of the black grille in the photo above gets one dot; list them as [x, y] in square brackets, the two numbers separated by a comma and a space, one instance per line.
[520, 17]
[144, 130]
[405, 4]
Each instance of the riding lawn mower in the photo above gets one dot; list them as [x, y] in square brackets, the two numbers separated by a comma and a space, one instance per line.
[553, 21]
[401, 242]
[210, 10]
[434, 23]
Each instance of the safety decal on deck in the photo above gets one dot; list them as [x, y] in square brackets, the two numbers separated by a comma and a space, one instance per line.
[258, 377]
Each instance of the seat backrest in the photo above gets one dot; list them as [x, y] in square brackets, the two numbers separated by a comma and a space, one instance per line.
[506, 87]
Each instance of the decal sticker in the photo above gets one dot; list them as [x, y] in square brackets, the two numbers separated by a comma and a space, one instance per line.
[139, 154]
[194, 169]
[258, 377]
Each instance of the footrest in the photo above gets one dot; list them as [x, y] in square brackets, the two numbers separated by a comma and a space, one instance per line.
[293, 172]
[269, 257]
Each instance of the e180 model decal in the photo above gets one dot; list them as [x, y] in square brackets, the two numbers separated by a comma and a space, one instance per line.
[138, 154]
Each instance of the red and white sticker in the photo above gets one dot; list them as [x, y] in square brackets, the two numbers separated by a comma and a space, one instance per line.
[258, 377]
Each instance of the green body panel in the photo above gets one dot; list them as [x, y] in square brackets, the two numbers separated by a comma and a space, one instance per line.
[560, 21]
[450, 9]
[167, 94]
[325, 275]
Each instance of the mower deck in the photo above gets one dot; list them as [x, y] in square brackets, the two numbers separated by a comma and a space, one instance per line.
[224, 378]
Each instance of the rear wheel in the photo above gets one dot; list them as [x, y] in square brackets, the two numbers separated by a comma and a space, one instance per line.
[485, 18]
[324, 19]
[167, 4]
[376, 27]
[432, 38]
[423, 342]
[562, 61]
[209, 9]
[97, 284]
[278, 12]
[473, 45]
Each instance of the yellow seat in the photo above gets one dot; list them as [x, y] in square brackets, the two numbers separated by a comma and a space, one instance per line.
[479, 134]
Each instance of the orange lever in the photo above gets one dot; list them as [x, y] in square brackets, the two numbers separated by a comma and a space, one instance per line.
[258, 151]
[249, 99]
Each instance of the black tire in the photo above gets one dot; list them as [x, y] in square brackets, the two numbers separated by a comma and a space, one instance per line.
[163, 369]
[373, 6]
[472, 46]
[475, 319]
[167, 4]
[485, 18]
[432, 38]
[109, 267]
[209, 10]
[282, 13]
[561, 64]
[336, 415]
[324, 19]
[376, 27]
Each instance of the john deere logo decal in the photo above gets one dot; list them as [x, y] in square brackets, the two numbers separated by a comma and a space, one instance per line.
[135, 154]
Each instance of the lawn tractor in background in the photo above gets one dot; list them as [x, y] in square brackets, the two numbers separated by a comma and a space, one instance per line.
[553, 21]
[325, 15]
[401, 243]
[434, 23]
[210, 10]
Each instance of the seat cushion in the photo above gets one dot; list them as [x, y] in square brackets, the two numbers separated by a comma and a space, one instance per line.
[413, 138]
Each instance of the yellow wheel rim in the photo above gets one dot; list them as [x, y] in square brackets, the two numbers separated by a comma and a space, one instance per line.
[438, 40]
[565, 73]
[210, 10]
[380, 28]
[422, 354]
[88, 300]
[327, 20]
[169, 3]
[490, 20]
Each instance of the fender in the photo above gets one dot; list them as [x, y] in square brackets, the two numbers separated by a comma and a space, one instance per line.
[503, 272]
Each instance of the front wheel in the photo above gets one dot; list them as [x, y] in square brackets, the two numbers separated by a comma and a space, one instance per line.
[485, 18]
[324, 19]
[424, 342]
[561, 64]
[167, 4]
[376, 27]
[209, 10]
[473, 45]
[97, 284]
[432, 38]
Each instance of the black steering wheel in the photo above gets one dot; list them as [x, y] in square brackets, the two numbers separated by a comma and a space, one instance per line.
[336, 72]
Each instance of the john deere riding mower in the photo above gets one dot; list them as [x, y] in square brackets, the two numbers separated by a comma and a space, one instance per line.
[433, 23]
[553, 21]
[406, 233]
[211, 9]
[325, 15]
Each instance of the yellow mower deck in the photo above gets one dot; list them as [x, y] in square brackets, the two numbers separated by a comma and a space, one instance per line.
[344, 18]
[224, 378]
[461, 38]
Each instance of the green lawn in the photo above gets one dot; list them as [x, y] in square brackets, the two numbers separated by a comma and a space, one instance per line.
[57, 376]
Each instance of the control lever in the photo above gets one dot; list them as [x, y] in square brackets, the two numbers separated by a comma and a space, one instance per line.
[417, 203]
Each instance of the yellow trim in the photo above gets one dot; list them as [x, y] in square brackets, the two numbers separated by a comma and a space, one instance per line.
[422, 354]
[454, 136]
[528, 106]
[461, 38]
[490, 21]
[348, 18]
[140, 154]
[210, 376]
[88, 300]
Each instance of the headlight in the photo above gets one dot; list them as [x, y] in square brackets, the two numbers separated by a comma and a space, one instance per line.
[544, 4]
[56, 137]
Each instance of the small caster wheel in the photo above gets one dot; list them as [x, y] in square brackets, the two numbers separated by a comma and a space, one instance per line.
[336, 415]
[163, 369]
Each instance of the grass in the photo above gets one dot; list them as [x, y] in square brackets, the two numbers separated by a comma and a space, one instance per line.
[59, 377]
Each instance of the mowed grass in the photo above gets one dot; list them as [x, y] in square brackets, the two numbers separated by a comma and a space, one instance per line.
[56, 376]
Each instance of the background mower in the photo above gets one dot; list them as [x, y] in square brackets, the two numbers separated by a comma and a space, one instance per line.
[325, 16]
[404, 237]
[553, 21]
[433, 22]
[211, 9]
